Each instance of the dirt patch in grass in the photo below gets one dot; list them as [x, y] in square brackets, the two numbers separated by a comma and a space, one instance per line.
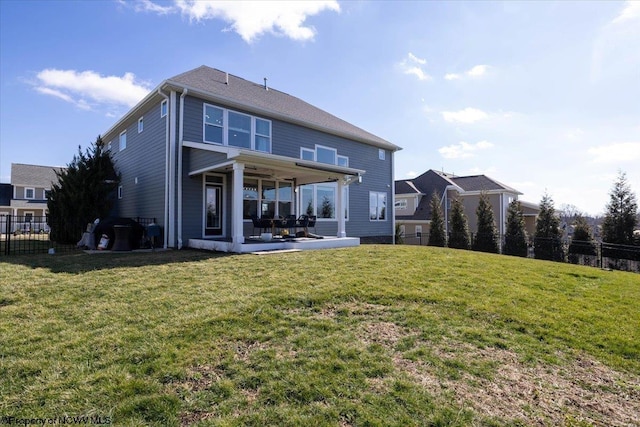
[581, 391]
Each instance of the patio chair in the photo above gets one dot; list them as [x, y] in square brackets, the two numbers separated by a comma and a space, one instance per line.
[257, 224]
[303, 222]
[312, 223]
[289, 222]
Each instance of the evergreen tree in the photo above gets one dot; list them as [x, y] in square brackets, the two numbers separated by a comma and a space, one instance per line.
[582, 240]
[547, 244]
[515, 238]
[437, 236]
[85, 191]
[459, 237]
[620, 219]
[487, 235]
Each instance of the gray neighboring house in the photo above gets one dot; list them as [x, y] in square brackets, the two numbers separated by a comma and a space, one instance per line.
[25, 198]
[205, 151]
[412, 200]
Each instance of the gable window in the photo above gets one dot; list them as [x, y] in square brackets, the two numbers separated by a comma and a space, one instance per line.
[123, 140]
[29, 193]
[140, 124]
[377, 206]
[401, 204]
[164, 106]
[326, 155]
[382, 154]
[306, 154]
[235, 129]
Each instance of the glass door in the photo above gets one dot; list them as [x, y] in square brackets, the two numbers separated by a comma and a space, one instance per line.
[213, 210]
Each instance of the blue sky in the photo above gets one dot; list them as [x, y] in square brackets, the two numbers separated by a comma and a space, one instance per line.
[543, 96]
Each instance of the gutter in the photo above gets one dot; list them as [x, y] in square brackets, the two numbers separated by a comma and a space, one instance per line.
[166, 168]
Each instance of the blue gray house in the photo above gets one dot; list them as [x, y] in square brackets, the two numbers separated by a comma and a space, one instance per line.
[206, 151]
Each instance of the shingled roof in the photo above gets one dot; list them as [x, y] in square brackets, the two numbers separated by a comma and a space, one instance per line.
[33, 175]
[255, 97]
[480, 183]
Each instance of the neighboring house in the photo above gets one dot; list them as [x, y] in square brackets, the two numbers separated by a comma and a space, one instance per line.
[205, 151]
[412, 198]
[25, 198]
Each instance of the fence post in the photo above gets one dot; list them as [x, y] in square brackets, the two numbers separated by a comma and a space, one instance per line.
[7, 250]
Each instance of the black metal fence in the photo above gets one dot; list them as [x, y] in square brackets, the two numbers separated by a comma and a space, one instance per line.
[594, 253]
[23, 235]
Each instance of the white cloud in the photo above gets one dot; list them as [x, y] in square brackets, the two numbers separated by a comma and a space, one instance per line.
[615, 153]
[87, 87]
[475, 72]
[468, 115]
[463, 149]
[250, 19]
[411, 174]
[630, 12]
[413, 65]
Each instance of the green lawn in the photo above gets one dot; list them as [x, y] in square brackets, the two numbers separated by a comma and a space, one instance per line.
[368, 336]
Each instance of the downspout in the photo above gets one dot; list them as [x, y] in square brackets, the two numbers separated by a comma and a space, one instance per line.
[166, 169]
[180, 138]
[393, 201]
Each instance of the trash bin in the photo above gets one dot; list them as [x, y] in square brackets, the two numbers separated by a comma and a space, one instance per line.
[121, 240]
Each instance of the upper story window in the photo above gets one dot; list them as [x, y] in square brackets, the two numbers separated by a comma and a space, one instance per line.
[226, 127]
[29, 193]
[324, 155]
[164, 107]
[382, 154]
[140, 124]
[123, 140]
[401, 204]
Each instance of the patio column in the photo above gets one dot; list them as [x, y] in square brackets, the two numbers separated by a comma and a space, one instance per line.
[237, 231]
[340, 210]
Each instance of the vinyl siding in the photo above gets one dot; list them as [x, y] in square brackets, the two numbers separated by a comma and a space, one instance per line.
[144, 158]
[287, 139]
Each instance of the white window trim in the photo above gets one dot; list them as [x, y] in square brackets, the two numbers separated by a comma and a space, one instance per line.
[120, 145]
[223, 204]
[324, 147]
[344, 158]
[140, 124]
[277, 200]
[418, 230]
[33, 193]
[308, 150]
[401, 204]
[382, 154]
[345, 201]
[164, 108]
[225, 128]
[386, 213]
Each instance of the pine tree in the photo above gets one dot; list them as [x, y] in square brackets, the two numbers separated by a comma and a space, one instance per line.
[437, 236]
[515, 238]
[487, 235]
[547, 244]
[582, 240]
[620, 219]
[459, 237]
[85, 191]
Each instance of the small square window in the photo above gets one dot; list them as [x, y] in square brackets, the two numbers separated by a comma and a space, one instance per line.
[29, 193]
[381, 154]
[140, 124]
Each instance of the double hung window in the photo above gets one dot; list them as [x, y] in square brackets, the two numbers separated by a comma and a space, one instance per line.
[377, 206]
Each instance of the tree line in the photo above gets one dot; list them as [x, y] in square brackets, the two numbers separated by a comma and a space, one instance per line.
[618, 227]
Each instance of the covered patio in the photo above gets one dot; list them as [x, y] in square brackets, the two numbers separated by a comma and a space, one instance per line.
[238, 165]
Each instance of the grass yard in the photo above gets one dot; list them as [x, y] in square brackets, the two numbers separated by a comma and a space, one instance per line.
[367, 336]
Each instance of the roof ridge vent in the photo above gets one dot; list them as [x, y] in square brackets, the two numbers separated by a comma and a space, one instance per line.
[265, 84]
[226, 78]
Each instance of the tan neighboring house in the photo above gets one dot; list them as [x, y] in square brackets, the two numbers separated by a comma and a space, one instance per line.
[412, 198]
[25, 198]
